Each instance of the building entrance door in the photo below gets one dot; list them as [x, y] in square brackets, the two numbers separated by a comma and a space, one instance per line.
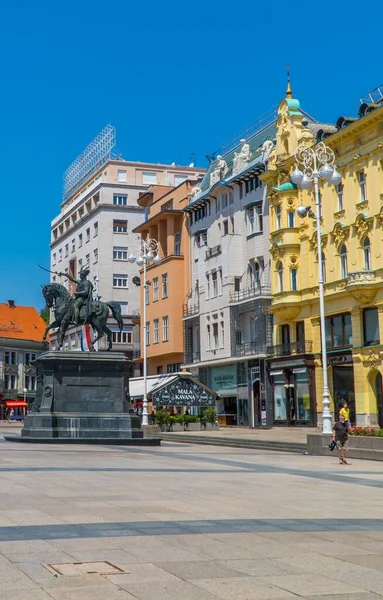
[379, 398]
[343, 378]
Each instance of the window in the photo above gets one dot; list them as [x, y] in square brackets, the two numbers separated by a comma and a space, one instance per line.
[122, 337]
[220, 288]
[338, 331]
[215, 336]
[120, 226]
[30, 382]
[294, 279]
[340, 196]
[79, 263]
[95, 229]
[240, 191]
[222, 327]
[147, 333]
[149, 178]
[87, 260]
[53, 259]
[255, 219]
[120, 199]
[278, 216]
[367, 254]
[10, 382]
[279, 268]
[167, 205]
[29, 356]
[147, 294]
[121, 176]
[207, 286]
[10, 358]
[300, 335]
[371, 326]
[124, 308]
[155, 289]
[226, 227]
[165, 329]
[208, 338]
[201, 239]
[343, 262]
[95, 255]
[177, 244]
[174, 368]
[323, 267]
[362, 186]
[231, 198]
[160, 370]
[291, 218]
[87, 233]
[237, 284]
[238, 337]
[254, 275]
[178, 179]
[156, 331]
[80, 240]
[66, 250]
[214, 281]
[120, 253]
[225, 200]
[165, 285]
[285, 335]
[120, 281]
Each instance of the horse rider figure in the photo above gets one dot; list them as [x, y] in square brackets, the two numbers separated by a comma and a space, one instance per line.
[83, 294]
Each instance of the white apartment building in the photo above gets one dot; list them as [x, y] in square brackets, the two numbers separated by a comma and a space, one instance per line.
[227, 327]
[95, 226]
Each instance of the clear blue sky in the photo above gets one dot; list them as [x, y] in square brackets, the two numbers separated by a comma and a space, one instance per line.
[173, 77]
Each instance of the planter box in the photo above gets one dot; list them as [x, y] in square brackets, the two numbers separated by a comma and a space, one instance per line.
[366, 447]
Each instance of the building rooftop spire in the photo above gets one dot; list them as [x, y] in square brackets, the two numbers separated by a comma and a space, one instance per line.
[289, 93]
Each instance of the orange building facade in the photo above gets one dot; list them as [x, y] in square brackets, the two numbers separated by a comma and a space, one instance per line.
[168, 282]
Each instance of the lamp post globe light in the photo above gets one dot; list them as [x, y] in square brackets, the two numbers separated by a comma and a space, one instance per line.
[311, 165]
[146, 250]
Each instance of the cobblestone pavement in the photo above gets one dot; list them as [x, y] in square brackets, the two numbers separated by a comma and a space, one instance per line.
[186, 522]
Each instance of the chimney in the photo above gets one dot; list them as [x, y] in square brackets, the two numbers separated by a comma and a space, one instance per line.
[11, 303]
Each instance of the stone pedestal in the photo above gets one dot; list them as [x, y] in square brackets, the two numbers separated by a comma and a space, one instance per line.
[83, 397]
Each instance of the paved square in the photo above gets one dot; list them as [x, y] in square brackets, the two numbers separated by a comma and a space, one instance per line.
[187, 522]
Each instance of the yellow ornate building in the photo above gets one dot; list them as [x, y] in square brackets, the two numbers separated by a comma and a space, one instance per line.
[352, 248]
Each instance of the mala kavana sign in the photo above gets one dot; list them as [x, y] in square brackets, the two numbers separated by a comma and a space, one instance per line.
[183, 392]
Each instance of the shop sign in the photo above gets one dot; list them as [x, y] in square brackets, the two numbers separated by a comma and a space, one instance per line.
[224, 379]
[183, 392]
[339, 359]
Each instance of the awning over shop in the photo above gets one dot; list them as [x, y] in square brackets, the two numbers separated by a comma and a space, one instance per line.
[15, 404]
[173, 389]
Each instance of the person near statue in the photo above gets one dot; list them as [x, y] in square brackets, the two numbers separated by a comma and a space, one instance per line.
[83, 294]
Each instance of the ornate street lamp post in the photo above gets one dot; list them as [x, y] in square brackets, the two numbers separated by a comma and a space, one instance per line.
[147, 251]
[311, 165]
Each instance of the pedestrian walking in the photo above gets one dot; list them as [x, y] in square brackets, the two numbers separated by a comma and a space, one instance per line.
[340, 437]
[345, 411]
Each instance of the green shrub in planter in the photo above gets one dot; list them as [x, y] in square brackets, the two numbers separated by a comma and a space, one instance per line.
[209, 415]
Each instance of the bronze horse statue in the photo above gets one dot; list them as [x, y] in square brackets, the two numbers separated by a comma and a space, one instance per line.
[57, 297]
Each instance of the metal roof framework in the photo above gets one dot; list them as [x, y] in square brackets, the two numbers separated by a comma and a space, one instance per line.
[94, 155]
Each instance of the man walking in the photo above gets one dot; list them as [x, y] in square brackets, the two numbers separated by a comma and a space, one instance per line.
[340, 436]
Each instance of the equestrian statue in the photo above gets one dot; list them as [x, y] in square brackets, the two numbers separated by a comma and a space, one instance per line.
[79, 308]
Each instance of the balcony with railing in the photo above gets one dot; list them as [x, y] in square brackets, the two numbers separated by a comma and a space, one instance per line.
[362, 285]
[252, 292]
[358, 277]
[250, 348]
[189, 310]
[192, 357]
[214, 251]
[304, 347]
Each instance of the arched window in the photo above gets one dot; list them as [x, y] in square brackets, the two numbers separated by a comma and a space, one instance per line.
[254, 275]
[323, 267]
[343, 262]
[367, 253]
[280, 276]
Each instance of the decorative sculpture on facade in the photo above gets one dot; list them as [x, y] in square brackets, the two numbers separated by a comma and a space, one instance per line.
[241, 158]
[266, 149]
[220, 170]
[194, 193]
